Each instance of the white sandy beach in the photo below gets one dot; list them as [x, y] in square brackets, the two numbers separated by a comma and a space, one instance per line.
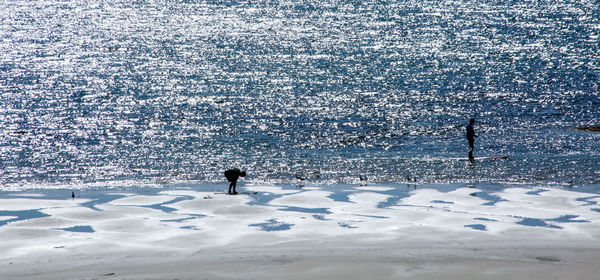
[278, 233]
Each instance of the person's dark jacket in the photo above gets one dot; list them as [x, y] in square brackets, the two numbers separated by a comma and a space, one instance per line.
[233, 175]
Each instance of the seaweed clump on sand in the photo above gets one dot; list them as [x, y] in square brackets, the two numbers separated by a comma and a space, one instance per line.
[590, 128]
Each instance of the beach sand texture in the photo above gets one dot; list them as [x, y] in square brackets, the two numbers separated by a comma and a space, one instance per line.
[369, 232]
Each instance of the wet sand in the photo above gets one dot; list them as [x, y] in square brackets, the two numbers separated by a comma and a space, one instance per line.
[319, 259]
[313, 233]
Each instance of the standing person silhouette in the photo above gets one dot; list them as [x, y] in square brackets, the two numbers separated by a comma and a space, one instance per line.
[471, 139]
[232, 176]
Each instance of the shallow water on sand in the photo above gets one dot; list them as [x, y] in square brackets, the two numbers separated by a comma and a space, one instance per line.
[142, 93]
[294, 208]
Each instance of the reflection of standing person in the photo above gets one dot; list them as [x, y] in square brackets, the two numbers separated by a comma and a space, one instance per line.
[470, 135]
[232, 176]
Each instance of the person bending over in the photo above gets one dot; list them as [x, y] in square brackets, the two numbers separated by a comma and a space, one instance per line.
[232, 176]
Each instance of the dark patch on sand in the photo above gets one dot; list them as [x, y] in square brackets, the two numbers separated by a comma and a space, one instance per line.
[547, 259]
[533, 222]
[273, 225]
[21, 215]
[86, 229]
[477, 227]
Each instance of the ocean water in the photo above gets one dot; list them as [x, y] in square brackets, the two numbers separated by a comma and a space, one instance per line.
[121, 92]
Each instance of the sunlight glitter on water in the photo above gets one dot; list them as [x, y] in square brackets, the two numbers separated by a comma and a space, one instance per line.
[121, 90]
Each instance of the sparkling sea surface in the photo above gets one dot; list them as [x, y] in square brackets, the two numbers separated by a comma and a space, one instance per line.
[122, 92]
